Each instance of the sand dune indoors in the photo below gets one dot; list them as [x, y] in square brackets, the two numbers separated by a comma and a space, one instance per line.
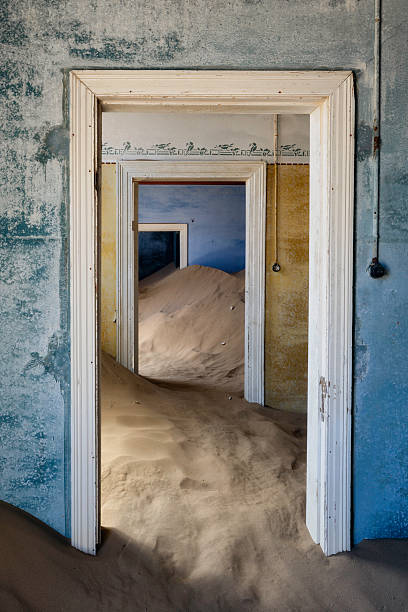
[211, 485]
[203, 494]
[191, 327]
[189, 469]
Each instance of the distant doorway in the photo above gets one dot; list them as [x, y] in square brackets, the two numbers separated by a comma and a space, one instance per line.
[191, 318]
[167, 241]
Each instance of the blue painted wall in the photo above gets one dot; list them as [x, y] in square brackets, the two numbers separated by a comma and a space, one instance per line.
[215, 215]
[38, 48]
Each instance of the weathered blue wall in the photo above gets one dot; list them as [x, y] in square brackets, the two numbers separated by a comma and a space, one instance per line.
[215, 215]
[380, 478]
[40, 42]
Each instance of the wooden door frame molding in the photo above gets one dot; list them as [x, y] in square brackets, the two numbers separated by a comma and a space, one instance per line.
[329, 99]
[129, 173]
[182, 228]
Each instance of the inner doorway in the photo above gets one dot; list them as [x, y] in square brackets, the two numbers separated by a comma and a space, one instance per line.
[191, 320]
[134, 174]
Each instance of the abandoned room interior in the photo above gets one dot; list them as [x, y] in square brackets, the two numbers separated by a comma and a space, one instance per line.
[204, 330]
[157, 452]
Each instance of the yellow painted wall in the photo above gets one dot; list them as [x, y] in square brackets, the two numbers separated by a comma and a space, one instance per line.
[108, 259]
[286, 298]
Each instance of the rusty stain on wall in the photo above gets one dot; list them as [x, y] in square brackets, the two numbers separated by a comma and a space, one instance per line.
[286, 297]
[108, 259]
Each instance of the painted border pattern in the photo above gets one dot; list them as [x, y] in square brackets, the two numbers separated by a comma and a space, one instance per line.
[287, 153]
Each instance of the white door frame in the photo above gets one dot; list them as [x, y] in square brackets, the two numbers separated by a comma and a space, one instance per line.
[329, 99]
[181, 228]
[253, 174]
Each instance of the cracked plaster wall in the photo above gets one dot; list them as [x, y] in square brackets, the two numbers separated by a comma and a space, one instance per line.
[40, 41]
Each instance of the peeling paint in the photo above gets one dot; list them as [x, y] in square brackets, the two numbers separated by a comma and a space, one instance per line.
[39, 44]
[54, 362]
[360, 361]
[55, 145]
[364, 141]
[120, 49]
[33, 90]
[11, 81]
[13, 31]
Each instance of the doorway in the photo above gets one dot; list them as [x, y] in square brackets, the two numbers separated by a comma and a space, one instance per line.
[186, 331]
[157, 250]
[176, 239]
[329, 99]
[129, 175]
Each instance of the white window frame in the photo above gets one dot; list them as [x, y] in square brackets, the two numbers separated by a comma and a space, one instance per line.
[182, 228]
[328, 97]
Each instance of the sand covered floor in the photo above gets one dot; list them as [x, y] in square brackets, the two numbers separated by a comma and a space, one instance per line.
[202, 493]
[191, 327]
[203, 511]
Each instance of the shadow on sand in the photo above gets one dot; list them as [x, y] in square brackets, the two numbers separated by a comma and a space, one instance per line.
[39, 570]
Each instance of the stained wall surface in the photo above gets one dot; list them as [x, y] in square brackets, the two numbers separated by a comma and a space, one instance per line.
[108, 259]
[286, 294]
[40, 43]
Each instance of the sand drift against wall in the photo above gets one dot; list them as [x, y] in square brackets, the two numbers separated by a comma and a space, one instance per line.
[191, 327]
[204, 500]
[202, 495]
[212, 486]
[209, 482]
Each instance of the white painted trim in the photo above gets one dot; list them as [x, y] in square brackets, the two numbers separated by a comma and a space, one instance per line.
[126, 281]
[331, 203]
[335, 530]
[330, 320]
[316, 355]
[182, 228]
[84, 353]
[239, 91]
[253, 174]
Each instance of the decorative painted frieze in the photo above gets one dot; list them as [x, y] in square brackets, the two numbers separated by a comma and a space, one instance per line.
[287, 153]
[204, 136]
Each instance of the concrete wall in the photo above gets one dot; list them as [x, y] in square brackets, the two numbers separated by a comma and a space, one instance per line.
[40, 42]
[286, 296]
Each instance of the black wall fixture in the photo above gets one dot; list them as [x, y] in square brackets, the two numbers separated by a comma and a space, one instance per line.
[375, 268]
